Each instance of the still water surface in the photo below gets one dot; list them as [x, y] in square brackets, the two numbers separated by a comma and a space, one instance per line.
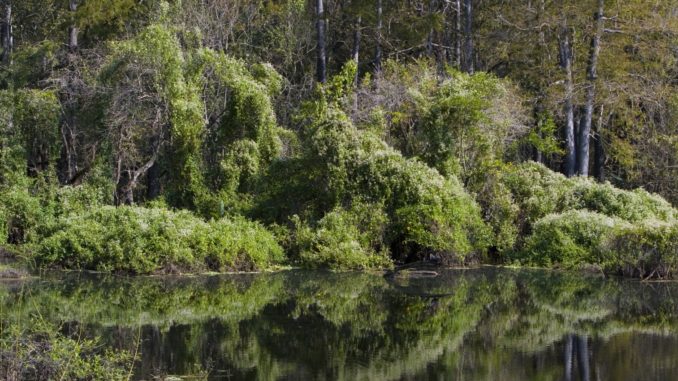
[478, 324]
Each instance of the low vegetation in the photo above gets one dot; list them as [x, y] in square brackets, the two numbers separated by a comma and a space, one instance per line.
[149, 240]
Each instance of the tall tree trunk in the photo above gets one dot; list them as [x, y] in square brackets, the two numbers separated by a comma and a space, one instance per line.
[321, 52]
[378, 53]
[356, 47]
[591, 76]
[457, 34]
[7, 38]
[68, 166]
[356, 58]
[566, 65]
[73, 29]
[599, 148]
[468, 37]
[431, 31]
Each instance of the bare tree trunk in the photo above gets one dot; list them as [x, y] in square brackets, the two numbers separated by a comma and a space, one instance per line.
[378, 53]
[566, 65]
[73, 29]
[429, 39]
[68, 163]
[356, 47]
[591, 76]
[321, 53]
[468, 37]
[7, 38]
[356, 58]
[599, 148]
[457, 35]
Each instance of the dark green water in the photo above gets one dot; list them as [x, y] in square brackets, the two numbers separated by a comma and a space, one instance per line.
[481, 324]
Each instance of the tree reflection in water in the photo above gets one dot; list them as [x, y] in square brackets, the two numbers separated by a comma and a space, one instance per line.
[482, 324]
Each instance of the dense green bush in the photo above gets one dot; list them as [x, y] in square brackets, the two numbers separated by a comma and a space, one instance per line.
[427, 213]
[574, 222]
[646, 250]
[345, 239]
[569, 239]
[540, 191]
[139, 240]
[579, 238]
[21, 214]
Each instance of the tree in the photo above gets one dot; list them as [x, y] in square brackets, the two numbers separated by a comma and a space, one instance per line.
[378, 51]
[467, 65]
[6, 33]
[591, 76]
[321, 60]
[566, 55]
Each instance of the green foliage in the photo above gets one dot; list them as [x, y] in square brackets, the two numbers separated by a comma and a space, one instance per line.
[544, 137]
[157, 49]
[500, 211]
[244, 137]
[34, 349]
[457, 137]
[141, 241]
[22, 213]
[460, 124]
[36, 114]
[426, 212]
[539, 191]
[345, 239]
[579, 238]
[645, 250]
[32, 64]
[570, 239]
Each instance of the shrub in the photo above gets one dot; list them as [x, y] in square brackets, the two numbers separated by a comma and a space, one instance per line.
[22, 213]
[339, 164]
[570, 239]
[540, 191]
[646, 250]
[345, 239]
[140, 240]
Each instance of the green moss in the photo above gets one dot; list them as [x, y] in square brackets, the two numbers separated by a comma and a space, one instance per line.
[139, 240]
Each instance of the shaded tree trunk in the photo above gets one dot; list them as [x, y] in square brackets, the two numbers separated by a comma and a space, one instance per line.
[566, 65]
[599, 149]
[73, 29]
[591, 76]
[7, 37]
[153, 187]
[321, 51]
[356, 47]
[68, 163]
[431, 32]
[457, 35]
[378, 53]
[468, 37]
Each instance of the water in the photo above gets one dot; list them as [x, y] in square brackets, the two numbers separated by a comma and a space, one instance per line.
[480, 324]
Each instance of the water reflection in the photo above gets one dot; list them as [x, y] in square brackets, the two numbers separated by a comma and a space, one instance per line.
[483, 324]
